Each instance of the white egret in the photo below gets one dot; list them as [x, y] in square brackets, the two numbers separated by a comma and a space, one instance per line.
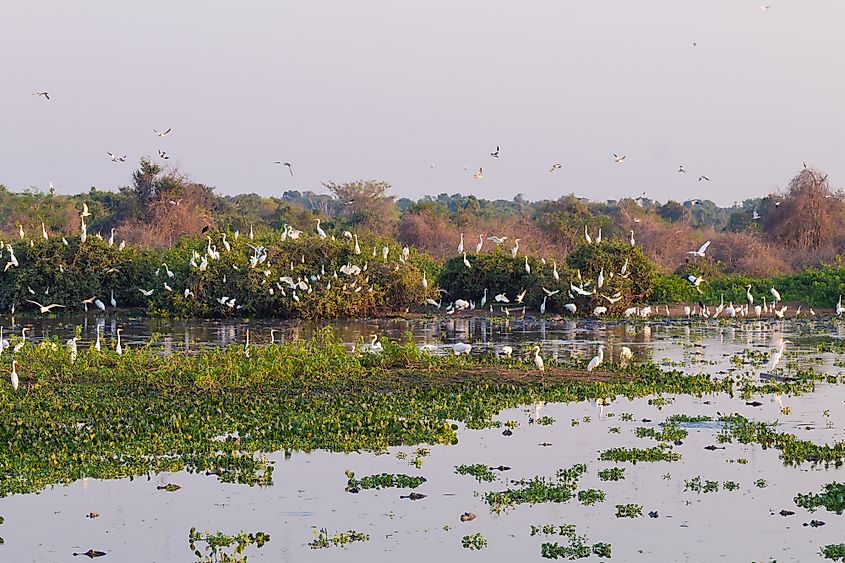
[100, 305]
[118, 348]
[44, 308]
[527, 266]
[538, 359]
[701, 250]
[461, 348]
[497, 240]
[571, 307]
[633, 242]
[543, 305]
[14, 375]
[515, 249]
[480, 244]
[598, 236]
[507, 351]
[600, 310]
[71, 346]
[484, 298]
[320, 232]
[630, 311]
[555, 273]
[461, 244]
[520, 296]
[112, 300]
[597, 360]
[748, 296]
[97, 343]
[501, 298]
[424, 281]
[587, 236]
[21, 344]
[839, 308]
[376, 347]
[600, 280]
[775, 294]
[625, 354]
[777, 355]
[687, 311]
[466, 262]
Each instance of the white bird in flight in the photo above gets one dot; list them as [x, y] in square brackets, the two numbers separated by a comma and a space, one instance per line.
[701, 250]
[116, 158]
[162, 133]
[618, 158]
[43, 308]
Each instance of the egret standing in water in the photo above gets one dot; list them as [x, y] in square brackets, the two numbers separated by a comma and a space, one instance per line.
[97, 343]
[118, 348]
[777, 355]
[597, 360]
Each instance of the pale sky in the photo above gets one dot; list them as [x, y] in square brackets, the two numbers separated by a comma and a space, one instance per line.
[347, 90]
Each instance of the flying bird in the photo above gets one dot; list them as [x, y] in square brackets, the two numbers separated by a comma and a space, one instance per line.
[162, 155]
[556, 166]
[115, 158]
[46, 95]
[764, 8]
[705, 178]
[618, 158]
[479, 175]
[162, 133]
[701, 250]
[43, 308]
[681, 169]
[495, 154]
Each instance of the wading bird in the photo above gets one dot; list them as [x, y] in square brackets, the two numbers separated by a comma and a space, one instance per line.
[597, 359]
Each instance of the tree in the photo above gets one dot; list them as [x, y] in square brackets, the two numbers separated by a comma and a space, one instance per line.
[809, 216]
[673, 211]
[365, 204]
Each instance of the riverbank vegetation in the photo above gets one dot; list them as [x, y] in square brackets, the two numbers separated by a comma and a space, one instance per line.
[171, 247]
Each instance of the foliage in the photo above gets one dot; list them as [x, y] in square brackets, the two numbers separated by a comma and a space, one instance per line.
[383, 481]
[589, 497]
[478, 470]
[629, 510]
[342, 539]
[636, 285]
[539, 489]
[612, 474]
[832, 499]
[635, 455]
[474, 541]
[834, 552]
[214, 411]
[216, 545]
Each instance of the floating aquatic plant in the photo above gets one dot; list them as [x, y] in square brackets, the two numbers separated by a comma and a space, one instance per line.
[612, 474]
[832, 499]
[478, 470]
[217, 545]
[342, 539]
[474, 541]
[635, 455]
[629, 510]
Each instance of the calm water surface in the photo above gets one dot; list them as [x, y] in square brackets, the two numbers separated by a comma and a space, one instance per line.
[140, 523]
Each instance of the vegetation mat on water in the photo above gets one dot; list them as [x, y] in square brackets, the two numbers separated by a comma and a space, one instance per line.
[217, 411]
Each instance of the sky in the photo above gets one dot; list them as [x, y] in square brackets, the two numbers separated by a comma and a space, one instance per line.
[384, 90]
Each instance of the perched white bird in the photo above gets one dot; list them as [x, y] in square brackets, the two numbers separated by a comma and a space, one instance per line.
[461, 245]
[600, 310]
[538, 360]
[775, 294]
[19, 346]
[480, 244]
[515, 248]
[543, 305]
[597, 360]
[571, 307]
[466, 262]
[97, 343]
[320, 232]
[839, 308]
[527, 266]
[748, 296]
[14, 375]
[501, 298]
[587, 236]
[625, 354]
[118, 348]
[507, 351]
[633, 242]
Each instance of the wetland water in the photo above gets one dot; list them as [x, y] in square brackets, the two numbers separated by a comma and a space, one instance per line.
[138, 522]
